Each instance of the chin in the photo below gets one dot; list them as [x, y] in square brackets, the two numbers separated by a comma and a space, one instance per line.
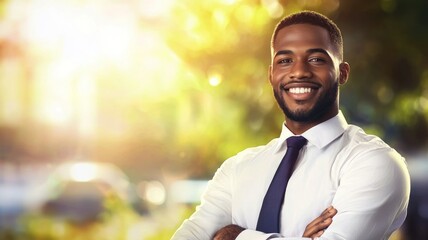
[303, 115]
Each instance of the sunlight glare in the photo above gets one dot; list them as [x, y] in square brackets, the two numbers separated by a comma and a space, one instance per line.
[155, 192]
[70, 43]
[214, 80]
[150, 8]
[53, 97]
[83, 172]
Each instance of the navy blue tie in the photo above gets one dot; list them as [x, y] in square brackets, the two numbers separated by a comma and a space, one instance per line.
[269, 217]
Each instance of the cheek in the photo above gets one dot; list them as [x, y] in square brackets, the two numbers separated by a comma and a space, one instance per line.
[329, 78]
[277, 76]
[273, 80]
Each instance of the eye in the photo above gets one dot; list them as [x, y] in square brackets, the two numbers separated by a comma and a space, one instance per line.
[285, 61]
[316, 60]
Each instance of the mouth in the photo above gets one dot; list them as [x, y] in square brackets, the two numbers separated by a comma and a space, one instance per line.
[301, 91]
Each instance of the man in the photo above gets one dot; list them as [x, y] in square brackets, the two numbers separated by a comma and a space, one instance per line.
[365, 180]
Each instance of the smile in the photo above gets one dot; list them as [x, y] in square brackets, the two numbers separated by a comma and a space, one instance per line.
[300, 90]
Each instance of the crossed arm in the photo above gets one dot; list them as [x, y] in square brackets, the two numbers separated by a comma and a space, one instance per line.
[312, 230]
[371, 201]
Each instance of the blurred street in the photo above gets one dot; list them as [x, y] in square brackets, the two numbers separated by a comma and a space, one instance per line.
[45, 201]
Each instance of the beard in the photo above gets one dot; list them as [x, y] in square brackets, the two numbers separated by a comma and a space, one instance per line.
[322, 106]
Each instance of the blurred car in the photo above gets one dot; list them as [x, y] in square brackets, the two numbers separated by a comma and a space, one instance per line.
[78, 191]
[12, 202]
[17, 182]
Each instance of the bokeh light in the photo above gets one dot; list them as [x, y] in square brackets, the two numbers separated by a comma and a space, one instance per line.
[83, 172]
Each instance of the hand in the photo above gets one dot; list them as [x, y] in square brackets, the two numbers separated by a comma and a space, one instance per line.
[316, 227]
[230, 232]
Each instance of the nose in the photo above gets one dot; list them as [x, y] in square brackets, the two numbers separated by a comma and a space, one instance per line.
[300, 70]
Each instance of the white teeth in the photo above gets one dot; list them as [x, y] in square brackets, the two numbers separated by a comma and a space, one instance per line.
[300, 90]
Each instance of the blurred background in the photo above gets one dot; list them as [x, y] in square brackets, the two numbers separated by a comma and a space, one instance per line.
[114, 114]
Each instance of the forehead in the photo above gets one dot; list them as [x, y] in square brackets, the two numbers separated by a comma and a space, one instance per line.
[302, 36]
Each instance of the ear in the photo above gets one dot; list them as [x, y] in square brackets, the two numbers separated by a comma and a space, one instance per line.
[344, 70]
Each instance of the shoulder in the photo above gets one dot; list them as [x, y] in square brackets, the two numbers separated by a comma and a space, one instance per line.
[369, 154]
[356, 144]
[251, 154]
[249, 158]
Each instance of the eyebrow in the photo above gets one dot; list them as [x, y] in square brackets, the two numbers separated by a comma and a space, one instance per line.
[312, 50]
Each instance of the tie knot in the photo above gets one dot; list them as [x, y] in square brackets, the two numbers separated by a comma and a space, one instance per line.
[296, 142]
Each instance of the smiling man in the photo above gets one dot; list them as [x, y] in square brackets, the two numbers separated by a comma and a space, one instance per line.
[322, 178]
[305, 74]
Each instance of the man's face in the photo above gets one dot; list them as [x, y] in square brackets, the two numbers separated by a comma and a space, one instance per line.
[304, 73]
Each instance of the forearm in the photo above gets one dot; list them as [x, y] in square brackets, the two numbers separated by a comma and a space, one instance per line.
[210, 216]
[235, 232]
[214, 211]
[312, 231]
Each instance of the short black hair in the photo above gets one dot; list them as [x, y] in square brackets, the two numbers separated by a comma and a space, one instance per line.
[313, 18]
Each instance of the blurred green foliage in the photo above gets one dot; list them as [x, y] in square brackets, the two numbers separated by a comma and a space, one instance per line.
[386, 44]
[166, 231]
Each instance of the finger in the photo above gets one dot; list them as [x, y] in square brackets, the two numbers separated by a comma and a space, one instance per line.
[323, 225]
[321, 228]
[327, 209]
[313, 229]
[321, 222]
[328, 213]
[315, 222]
[332, 211]
[318, 234]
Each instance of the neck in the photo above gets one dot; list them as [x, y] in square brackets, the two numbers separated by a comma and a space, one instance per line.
[298, 127]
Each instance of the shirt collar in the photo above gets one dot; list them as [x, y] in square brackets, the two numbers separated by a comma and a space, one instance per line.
[320, 135]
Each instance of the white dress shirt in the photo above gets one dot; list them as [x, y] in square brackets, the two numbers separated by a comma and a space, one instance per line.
[362, 177]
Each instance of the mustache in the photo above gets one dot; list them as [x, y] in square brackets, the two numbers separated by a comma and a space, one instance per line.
[309, 83]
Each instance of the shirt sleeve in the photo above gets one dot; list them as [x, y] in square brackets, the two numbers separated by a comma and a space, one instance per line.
[215, 209]
[371, 199]
[372, 196]
[256, 235]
